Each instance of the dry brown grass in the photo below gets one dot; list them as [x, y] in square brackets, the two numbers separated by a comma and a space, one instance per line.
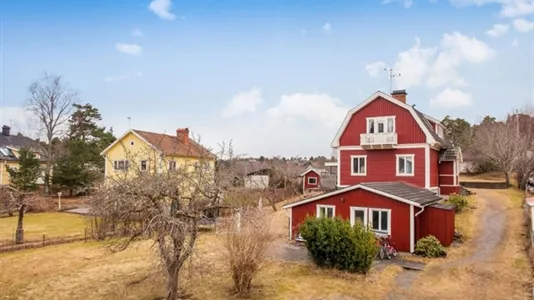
[89, 271]
[487, 177]
[507, 275]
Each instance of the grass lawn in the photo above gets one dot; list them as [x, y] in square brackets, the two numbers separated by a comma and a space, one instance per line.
[50, 224]
[90, 271]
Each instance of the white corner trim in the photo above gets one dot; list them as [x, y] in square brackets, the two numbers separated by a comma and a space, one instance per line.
[397, 156]
[412, 229]
[427, 166]
[352, 157]
[319, 206]
[365, 215]
[335, 142]
[290, 224]
[338, 170]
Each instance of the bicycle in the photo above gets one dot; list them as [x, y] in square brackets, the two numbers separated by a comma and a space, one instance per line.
[386, 249]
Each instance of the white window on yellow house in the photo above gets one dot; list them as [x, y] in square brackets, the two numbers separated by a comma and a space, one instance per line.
[121, 165]
[144, 165]
[172, 165]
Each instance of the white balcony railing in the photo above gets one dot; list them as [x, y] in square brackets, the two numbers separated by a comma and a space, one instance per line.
[378, 139]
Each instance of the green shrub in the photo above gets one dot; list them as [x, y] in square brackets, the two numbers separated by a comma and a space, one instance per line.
[334, 243]
[430, 246]
[459, 201]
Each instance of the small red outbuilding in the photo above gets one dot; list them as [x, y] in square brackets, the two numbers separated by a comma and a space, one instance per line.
[403, 211]
[311, 179]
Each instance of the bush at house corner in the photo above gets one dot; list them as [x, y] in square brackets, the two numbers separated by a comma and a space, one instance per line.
[334, 243]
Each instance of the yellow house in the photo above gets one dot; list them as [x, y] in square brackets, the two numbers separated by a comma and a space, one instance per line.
[139, 150]
[9, 153]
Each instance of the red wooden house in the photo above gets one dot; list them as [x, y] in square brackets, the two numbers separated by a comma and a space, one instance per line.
[393, 164]
[311, 179]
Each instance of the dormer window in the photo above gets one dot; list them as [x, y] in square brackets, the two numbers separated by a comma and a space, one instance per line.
[381, 125]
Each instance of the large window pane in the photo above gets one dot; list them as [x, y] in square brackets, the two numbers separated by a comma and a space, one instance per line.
[401, 165]
[376, 217]
[390, 125]
[384, 220]
[362, 165]
[371, 126]
[359, 217]
[409, 166]
[380, 126]
[330, 213]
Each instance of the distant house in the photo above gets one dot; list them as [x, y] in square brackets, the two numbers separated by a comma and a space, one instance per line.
[138, 150]
[252, 174]
[10, 146]
[318, 178]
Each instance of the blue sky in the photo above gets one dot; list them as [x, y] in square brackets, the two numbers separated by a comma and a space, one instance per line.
[277, 77]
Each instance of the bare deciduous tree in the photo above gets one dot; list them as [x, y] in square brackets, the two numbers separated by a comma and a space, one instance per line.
[508, 144]
[51, 102]
[165, 203]
[246, 240]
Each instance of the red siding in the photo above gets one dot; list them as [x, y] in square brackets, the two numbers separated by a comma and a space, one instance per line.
[408, 131]
[446, 180]
[381, 166]
[400, 213]
[447, 190]
[437, 222]
[446, 167]
[434, 167]
[311, 186]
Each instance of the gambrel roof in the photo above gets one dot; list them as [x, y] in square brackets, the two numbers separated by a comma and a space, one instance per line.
[431, 136]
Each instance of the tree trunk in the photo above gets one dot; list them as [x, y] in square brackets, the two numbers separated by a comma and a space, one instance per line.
[19, 235]
[507, 178]
[48, 169]
[70, 192]
[172, 284]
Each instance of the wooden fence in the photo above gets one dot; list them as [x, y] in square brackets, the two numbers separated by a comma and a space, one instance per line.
[8, 245]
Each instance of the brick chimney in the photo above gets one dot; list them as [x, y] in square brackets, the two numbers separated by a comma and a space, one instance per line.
[6, 130]
[399, 95]
[183, 135]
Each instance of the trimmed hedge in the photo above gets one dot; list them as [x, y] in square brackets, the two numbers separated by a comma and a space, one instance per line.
[334, 243]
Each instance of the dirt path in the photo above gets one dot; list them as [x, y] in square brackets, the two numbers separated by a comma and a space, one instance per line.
[492, 227]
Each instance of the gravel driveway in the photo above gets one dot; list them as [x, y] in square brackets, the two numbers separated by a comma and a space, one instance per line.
[492, 225]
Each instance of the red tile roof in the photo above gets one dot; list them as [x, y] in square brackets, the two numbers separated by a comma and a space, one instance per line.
[172, 145]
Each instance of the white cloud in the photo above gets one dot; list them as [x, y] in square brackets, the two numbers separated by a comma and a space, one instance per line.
[451, 98]
[405, 3]
[509, 8]
[327, 27]
[437, 66]
[374, 69]
[498, 30]
[319, 107]
[137, 32]
[162, 8]
[243, 102]
[413, 64]
[20, 120]
[515, 43]
[523, 25]
[130, 49]
[116, 78]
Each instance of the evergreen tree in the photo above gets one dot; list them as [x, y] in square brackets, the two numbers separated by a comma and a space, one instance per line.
[23, 181]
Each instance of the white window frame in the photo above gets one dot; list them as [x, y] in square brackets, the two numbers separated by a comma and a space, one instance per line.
[319, 206]
[141, 165]
[377, 120]
[352, 157]
[315, 183]
[439, 130]
[173, 164]
[365, 215]
[397, 165]
[117, 162]
[371, 210]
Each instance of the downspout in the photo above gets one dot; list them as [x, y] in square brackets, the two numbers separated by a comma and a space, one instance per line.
[419, 212]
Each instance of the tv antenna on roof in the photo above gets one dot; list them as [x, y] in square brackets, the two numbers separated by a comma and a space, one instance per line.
[129, 123]
[392, 75]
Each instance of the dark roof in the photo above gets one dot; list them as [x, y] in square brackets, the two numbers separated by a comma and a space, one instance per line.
[450, 154]
[404, 191]
[444, 141]
[18, 141]
[443, 206]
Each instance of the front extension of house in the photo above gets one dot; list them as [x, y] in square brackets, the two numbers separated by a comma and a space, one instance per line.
[394, 162]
